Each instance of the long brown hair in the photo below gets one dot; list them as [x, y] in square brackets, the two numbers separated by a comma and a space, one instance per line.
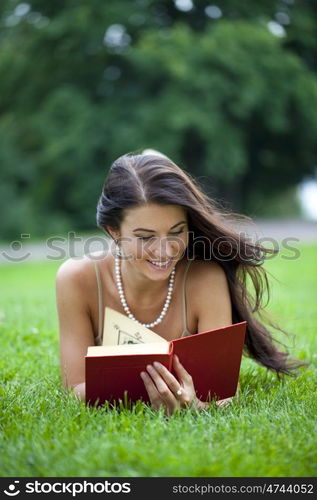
[137, 179]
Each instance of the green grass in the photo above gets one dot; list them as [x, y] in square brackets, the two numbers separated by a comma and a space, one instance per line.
[270, 432]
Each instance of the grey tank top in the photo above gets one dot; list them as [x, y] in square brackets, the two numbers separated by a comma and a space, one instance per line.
[98, 338]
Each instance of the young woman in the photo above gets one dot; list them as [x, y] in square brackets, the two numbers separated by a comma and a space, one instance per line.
[179, 268]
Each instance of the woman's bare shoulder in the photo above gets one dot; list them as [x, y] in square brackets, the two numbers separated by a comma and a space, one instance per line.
[202, 270]
[79, 269]
[210, 295]
[72, 268]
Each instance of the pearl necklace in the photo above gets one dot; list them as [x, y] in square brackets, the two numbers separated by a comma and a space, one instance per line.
[124, 302]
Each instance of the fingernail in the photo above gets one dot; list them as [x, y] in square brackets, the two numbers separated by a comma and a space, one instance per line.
[149, 367]
[157, 364]
[142, 374]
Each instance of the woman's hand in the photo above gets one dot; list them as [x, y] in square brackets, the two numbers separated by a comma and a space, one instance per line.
[165, 390]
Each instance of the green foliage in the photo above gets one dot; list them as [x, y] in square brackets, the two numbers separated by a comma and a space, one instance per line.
[225, 84]
[84, 82]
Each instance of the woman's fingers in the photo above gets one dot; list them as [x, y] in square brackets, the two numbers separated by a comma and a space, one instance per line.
[163, 389]
[162, 386]
[168, 377]
[186, 386]
[224, 402]
[150, 387]
[180, 370]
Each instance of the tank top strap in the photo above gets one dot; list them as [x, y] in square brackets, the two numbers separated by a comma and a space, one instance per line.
[98, 338]
[185, 331]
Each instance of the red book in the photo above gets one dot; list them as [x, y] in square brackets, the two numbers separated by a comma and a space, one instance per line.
[212, 358]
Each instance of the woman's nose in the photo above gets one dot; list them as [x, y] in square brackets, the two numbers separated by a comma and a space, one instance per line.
[163, 249]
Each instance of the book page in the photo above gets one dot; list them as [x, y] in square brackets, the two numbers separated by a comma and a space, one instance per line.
[120, 329]
[140, 348]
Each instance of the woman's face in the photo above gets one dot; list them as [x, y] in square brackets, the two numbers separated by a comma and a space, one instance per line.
[154, 232]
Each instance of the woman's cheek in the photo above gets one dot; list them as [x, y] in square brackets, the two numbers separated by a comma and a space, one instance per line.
[138, 250]
[181, 245]
[129, 251]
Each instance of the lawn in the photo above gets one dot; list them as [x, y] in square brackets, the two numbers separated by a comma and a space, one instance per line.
[270, 432]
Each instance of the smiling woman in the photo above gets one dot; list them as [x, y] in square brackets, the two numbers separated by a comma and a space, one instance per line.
[179, 268]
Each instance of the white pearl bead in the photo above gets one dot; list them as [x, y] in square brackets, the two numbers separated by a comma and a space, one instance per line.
[124, 303]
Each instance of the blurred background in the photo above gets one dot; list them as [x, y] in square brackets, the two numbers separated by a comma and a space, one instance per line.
[228, 90]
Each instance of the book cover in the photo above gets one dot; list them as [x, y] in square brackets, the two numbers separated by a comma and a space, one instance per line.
[112, 371]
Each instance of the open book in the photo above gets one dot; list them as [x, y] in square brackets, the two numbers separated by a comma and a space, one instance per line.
[112, 371]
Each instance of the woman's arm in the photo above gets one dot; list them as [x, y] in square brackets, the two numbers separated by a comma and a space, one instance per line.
[212, 297]
[80, 391]
[212, 303]
[75, 328]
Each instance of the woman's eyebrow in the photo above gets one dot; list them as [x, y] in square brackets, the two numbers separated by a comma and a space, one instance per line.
[153, 231]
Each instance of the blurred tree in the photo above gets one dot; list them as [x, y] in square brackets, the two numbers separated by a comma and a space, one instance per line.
[227, 91]
[230, 103]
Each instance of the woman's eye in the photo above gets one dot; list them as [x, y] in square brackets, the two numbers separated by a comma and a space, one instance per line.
[149, 237]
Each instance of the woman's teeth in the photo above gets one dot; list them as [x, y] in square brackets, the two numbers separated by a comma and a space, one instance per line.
[160, 264]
